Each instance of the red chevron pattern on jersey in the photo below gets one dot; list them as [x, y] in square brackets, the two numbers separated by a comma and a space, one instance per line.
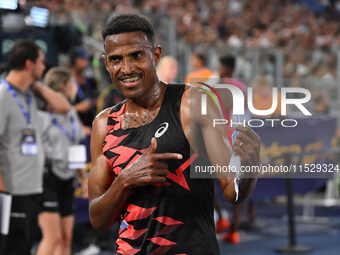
[135, 212]
[115, 141]
[125, 156]
[179, 177]
[171, 225]
[121, 156]
[115, 117]
[130, 233]
[125, 248]
[164, 245]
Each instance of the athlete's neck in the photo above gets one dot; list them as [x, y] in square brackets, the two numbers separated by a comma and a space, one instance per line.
[137, 114]
[20, 79]
[151, 100]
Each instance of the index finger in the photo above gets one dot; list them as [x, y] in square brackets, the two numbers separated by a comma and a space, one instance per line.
[168, 155]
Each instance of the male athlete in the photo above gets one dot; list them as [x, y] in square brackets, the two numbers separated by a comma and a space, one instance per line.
[142, 149]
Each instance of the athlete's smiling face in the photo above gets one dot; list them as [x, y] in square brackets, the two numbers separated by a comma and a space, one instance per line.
[131, 61]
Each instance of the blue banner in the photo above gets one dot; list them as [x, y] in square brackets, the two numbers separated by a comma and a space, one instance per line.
[307, 143]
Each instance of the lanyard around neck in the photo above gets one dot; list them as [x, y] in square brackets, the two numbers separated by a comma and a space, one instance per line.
[70, 136]
[11, 90]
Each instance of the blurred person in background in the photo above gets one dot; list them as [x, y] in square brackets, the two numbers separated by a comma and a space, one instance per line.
[86, 98]
[59, 133]
[321, 103]
[263, 95]
[110, 95]
[85, 102]
[167, 69]
[225, 72]
[200, 72]
[21, 151]
[226, 68]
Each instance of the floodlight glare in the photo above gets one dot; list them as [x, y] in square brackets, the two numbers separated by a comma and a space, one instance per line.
[39, 17]
[9, 4]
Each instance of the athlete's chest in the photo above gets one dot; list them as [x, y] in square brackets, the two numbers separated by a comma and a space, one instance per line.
[136, 120]
[123, 147]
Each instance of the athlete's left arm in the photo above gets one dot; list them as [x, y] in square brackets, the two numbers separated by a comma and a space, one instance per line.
[211, 141]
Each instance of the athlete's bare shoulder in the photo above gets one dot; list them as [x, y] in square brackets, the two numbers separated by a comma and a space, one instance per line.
[100, 123]
[188, 89]
[103, 115]
[191, 102]
[193, 92]
[190, 92]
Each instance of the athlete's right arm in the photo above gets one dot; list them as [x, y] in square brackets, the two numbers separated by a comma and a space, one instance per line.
[107, 194]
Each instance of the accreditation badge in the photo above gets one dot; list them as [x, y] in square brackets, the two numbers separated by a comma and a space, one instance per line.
[76, 157]
[29, 145]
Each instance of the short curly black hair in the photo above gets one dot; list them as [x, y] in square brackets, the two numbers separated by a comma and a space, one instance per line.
[125, 23]
[21, 51]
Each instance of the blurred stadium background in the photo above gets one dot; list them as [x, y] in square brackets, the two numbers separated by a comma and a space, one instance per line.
[294, 41]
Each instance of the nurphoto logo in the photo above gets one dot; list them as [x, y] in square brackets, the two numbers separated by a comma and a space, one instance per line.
[239, 103]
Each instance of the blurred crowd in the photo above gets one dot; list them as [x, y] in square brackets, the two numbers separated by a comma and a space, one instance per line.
[283, 24]
[308, 38]
[306, 32]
